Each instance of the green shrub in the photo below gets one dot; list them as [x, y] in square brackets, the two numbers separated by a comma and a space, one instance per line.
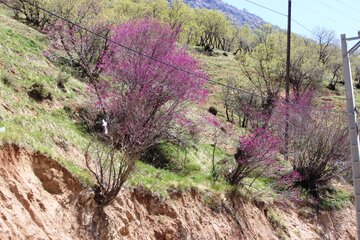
[9, 81]
[61, 80]
[39, 93]
[171, 157]
[335, 199]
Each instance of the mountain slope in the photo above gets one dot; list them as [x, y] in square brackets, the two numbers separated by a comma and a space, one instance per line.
[239, 17]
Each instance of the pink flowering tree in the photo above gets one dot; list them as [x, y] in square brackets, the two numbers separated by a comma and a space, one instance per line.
[143, 98]
[256, 153]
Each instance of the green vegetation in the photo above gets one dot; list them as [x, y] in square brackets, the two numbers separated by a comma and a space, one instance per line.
[336, 199]
[51, 126]
[42, 127]
[160, 180]
[278, 224]
[48, 127]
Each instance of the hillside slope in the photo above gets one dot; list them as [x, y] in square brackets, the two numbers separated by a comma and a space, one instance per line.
[43, 180]
[40, 200]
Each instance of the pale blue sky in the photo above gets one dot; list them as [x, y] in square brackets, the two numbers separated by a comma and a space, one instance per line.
[342, 16]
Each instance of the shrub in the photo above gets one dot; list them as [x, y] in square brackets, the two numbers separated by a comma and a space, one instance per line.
[34, 16]
[256, 153]
[9, 81]
[318, 147]
[39, 93]
[319, 151]
[335, 199]
[61, 80]
[213, 111]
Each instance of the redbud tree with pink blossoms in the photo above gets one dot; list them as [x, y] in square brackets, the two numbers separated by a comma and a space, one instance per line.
[256, 153]
[143, 98]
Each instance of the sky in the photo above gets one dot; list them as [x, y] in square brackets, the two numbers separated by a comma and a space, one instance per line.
[341, 16]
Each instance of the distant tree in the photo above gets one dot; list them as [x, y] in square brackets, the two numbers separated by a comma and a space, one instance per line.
[336, 75]
[305, 71]
[326, 44]
[228, 96]
[142, 97]
[265, 65]
[179, 14]
[34, 16]
[215, 28]
[124, 10]
[246, 40]
[246, 104]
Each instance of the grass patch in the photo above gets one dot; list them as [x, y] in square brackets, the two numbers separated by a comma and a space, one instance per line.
[161, 180]
[278, 224]
[82, 174]
[219, 153]
[336, 199]
[173, 158]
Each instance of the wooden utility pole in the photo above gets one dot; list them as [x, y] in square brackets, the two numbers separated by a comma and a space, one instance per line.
[287, 79]
[352, 123]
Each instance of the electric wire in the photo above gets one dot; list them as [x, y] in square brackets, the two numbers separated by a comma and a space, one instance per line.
[348, 6]
[282, 14]
[168, 64]
[262, 6]
[337, 11]
[322, 15]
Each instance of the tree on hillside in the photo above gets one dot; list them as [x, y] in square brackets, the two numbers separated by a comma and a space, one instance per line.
[215, 28]
[81, 49]
[265, 65]
[336, 74]
[318, 146]
[178, 14]
[124, 10]
[34, 16]
[246, 40]
[305, 71]
[245, 104]
[142, 98]
[326, 44]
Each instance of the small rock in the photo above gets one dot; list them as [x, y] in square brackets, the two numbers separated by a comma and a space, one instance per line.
[124, 231]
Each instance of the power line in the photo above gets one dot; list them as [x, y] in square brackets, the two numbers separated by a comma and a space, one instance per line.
[162, 62]
[282, 14]
[301, 25]
[337, 11]
[324, 16]
[348, 6]
[262, 6]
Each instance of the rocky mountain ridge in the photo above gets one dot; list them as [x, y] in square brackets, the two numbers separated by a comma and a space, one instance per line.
[239, 17]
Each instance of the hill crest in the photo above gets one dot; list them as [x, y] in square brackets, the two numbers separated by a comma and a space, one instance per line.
[238, 16]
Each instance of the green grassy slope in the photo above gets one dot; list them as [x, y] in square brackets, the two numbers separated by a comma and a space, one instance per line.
[49, 127]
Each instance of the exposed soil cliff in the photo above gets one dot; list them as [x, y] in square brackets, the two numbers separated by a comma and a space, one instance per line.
[42, 200]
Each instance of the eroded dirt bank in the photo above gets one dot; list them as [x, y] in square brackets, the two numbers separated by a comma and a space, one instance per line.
[39, 199]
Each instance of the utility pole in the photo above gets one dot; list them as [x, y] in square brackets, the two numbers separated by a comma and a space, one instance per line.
[352, 122]
[287, 84]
